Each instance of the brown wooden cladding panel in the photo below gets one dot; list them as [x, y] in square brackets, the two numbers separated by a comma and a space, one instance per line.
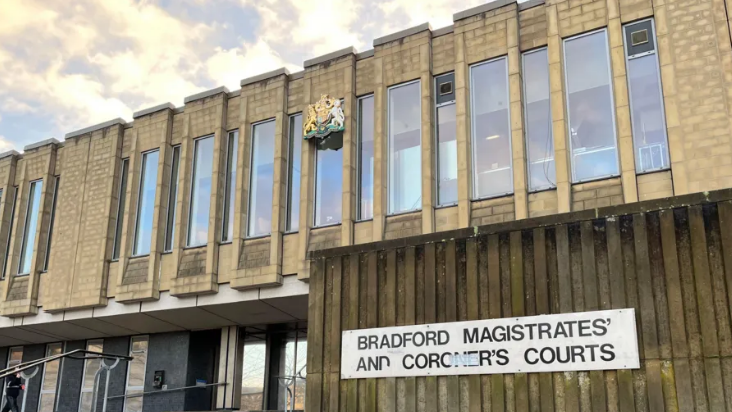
[674, 266]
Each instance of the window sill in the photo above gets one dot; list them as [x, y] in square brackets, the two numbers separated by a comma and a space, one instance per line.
[139, 256]
[364, 220]
[167, 252]
[195, 247]
[404, 213]
[647, 172]
[326, 226]
[257, 237]
[445, 206]
[498, 196]
[542, 189]
[228, 242]
[291, 232]
[595, 179]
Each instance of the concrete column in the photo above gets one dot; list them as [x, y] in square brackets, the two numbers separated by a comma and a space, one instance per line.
[518, 148]
[350, 175]
[462, 109]
[307, 188]
[428, 140]
[380, 151]
[556, 87]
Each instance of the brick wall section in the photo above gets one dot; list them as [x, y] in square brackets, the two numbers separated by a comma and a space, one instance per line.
[446, 218]
[578, 16]
[365, 76]
[532, 28]
[543, 203]
[443, 54]
[7, 179]
[363, 232]
[601, 193]
[403, 226]
[324, 238]
[295, 102]
[289, 254]
[490, 211]
[655, 185]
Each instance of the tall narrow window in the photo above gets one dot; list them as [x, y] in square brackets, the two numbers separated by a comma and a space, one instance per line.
[120, 209]
[405, 143]
[292, 367]
[136, 373]
[30, 227]
[591, 110]
[646, 98]
[15, 357]
[489, 112]
[172, 196]
[232, 145]
[538, 118]
[293, 177]
[146, 203]
[447, 169]
[10, 230]
[254, 366]
[261, 180]
[49, 381]
[57, 181]
[91, 366]
[366, 158]
[200, 191]
[328, 185]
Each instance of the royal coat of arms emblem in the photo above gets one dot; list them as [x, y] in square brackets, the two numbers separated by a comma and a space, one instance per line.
[323, 118]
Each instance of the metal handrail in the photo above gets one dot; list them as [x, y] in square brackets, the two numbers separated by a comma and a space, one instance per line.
[87, 354]
[182, 388]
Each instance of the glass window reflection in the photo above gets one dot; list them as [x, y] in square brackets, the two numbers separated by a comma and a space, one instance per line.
[491, 131]
[591, 112]
[447, 183]
[146, 203]
[328, 186]
[172, 196]
[293, 177]
[261, 181]
[31, 224]
[200, 191]
[122, 198]
[405, 142]
[538, 118]
[253, 374]
[232, 146]
[366, 158]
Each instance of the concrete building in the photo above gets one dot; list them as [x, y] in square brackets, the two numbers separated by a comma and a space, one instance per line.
[184, 238]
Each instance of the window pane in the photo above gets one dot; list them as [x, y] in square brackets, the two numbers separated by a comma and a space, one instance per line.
[57, 181]
[31, 224]
[10, 231]
[446, 155]
[46, 403]
[328, 186]
[92, 365]
[146, 203]
[201, 192]
[591, 113]
[649, 126]
[293, 180]
[539, 141]
[405, 142]
[366, 157]
[172, 198]
[120, 209]
[51, 369]
[136, 372]
[86, 402]
[16, 356]
[492, 174]
[261, 180]
[231, 152]
[133, 404]
[253, 371]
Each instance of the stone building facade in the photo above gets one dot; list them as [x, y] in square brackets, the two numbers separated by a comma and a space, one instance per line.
[75, 216]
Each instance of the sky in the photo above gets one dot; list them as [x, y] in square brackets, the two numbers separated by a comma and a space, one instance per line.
[66, 65]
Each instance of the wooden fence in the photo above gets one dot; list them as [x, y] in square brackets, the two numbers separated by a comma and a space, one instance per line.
[669, 259]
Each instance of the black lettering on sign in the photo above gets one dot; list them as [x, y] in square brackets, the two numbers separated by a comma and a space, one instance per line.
[373, 364]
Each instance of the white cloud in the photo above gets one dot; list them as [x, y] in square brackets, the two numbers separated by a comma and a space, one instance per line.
[230, 66]
[6, 145]
[12, 105]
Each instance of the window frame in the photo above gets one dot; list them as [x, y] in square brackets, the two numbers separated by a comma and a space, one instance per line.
[129, 368]
[614, 117]
[59, 377]
[359, 161]
[143, 161]
[526, 123]
[172, 201]
[389, 213]
[47, 258]
[26, 225]
[82, 389]
[121, 202]
[229, 184]
[473, 172]
[190, 190]
[660, 84]
[251, 175]
[290, 154]
[436, 142]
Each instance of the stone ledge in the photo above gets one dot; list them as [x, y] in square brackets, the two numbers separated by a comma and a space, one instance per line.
[42, 143]
[365, 55]
[207, 93]
[151, 110]
[402, 34]
[330, 56]
[297, 75]
[481, 9]
[96, 127]
[443, 31]
[9, 153]
[529, 4]
[264, 76]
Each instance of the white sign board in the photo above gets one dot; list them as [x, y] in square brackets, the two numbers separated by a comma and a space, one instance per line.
[602, 340]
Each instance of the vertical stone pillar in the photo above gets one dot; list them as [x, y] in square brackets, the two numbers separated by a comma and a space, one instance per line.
[559, 127]
[622, 105]
[218, 194]
[462, 109]
[228, 397]
[518, 147]
[307, 189]
[279, 193]
[380, 151]
[428, 140]
[350, 186]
